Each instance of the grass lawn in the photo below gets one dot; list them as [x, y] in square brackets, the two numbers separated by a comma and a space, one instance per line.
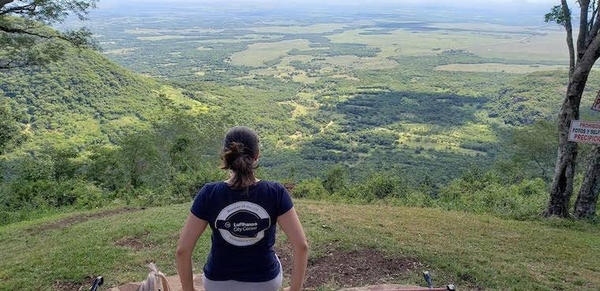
[472, 251]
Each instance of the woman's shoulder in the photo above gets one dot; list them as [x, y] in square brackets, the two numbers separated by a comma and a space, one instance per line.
[210, 187]
[273, 184]
[214, 184]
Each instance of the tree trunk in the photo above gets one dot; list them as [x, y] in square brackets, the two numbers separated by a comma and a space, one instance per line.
[585, 206]
[562, 184]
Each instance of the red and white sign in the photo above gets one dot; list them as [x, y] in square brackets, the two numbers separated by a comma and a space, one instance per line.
[585, 131]
[596, 105]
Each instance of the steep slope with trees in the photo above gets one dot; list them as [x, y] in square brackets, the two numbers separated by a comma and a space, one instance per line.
[82, 131]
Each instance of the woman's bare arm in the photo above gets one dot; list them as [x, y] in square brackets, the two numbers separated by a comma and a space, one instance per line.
[192, 230]
[291, 226]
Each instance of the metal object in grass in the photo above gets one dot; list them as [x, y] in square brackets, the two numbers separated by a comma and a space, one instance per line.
[97, 283]
[427, 277]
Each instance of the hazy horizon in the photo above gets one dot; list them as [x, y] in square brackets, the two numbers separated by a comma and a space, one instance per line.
[509, 12]
[488, 5]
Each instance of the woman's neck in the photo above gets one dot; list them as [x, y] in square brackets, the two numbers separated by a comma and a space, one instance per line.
[232, 177]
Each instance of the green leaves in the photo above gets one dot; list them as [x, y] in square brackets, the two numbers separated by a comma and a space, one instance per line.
[558, 15]
[25, 38]
[10, 128]
[47, 11]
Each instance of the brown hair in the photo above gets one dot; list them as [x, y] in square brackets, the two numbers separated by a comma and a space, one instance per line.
[240, 150]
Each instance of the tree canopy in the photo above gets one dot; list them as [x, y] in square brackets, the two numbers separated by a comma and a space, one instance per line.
[25, 37]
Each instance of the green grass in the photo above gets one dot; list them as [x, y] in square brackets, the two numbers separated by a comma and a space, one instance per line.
[473, 251]
[259, 53]
[176, 96]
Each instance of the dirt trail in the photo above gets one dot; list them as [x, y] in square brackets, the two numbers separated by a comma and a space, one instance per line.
[75, 219]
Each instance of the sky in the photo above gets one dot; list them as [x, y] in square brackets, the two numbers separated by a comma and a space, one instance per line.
[486, 6]
[428, 2]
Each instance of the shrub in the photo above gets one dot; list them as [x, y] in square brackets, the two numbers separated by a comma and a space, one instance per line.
[88, 195]
[311, 189]
[381, 186]
[185, 185]
[335, 179]
[520, 201]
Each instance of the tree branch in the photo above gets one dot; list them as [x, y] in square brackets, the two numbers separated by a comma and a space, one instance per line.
[26, 32]
[569, 28]
[594, 26]
[4, 2]
[47, 11]
[583, 27]
[590, 56]
[594, 10]
[30, 8]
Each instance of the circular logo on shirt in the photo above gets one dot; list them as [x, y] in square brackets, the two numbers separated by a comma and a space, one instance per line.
[243, 223]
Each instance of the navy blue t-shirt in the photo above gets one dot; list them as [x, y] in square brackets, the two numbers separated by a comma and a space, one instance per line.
[243, 227]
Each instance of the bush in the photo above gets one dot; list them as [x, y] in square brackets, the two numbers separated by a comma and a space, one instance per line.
[381, 186]
[520, 201]
[185, 185]
[88, 195]
[311, 189]
[335, 179]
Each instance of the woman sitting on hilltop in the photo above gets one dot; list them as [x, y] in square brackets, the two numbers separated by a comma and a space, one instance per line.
[242, 212]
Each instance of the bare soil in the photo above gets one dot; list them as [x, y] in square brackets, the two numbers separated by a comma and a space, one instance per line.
[75, 219]
[72, 286]
[135, 243]
[351, 269]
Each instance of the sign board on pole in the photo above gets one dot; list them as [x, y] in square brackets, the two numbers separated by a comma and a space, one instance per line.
[596, 105]
[585, 131]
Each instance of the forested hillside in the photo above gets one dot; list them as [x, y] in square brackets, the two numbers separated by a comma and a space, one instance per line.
[92, 132]
[85, 98]
[85, 131]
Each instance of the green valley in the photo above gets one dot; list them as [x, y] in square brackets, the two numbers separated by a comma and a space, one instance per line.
[366, 89]
[427, 99]
[422, 133]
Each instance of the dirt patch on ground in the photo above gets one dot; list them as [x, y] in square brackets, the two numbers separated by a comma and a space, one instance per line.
[135, 243]
[351, 269]
[72, 286]
[75, 219]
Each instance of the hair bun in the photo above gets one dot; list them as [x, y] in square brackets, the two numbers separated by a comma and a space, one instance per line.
[237, 147]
